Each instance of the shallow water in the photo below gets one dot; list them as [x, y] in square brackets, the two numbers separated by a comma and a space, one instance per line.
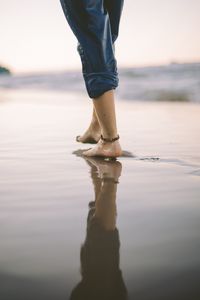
[142, 238]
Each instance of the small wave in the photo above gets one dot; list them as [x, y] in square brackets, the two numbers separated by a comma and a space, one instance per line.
[172, 96]
[132, 73]
[195, 172]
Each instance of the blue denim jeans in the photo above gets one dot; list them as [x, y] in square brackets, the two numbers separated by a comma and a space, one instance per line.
[95, 24]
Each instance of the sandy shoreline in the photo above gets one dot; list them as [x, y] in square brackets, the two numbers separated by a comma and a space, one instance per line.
[45, 191]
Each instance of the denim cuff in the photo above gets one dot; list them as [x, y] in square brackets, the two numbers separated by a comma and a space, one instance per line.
[99, 83]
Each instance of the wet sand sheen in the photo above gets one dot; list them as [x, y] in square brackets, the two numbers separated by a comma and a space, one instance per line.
[148, 222]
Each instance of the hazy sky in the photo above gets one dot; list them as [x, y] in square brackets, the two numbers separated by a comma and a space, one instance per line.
[34, 35]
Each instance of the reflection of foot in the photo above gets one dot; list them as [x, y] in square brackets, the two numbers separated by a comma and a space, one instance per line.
[105, 169]
[92, 136]
[105, 149]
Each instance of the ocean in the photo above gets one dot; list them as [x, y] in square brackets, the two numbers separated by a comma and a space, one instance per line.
[173, 82]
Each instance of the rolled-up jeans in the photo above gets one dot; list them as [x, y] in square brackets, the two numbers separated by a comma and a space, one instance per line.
[95, 24]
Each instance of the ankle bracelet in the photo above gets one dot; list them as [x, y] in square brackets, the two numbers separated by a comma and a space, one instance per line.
[109, 140]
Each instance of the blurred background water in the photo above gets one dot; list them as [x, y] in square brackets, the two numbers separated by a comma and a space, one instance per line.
[172, 82]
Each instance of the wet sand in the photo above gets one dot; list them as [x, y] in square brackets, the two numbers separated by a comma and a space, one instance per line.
[135, 222]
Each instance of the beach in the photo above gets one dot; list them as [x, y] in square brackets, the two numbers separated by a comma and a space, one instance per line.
[45, 190]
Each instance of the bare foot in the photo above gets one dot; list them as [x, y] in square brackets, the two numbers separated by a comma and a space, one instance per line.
[92, 136]
[105, 149]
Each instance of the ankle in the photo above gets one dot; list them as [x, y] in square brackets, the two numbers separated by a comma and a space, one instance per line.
[110, 139]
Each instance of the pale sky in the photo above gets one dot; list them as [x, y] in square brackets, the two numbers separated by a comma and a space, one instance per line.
[34, 35]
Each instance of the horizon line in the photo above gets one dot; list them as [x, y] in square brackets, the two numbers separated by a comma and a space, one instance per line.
[120, 66]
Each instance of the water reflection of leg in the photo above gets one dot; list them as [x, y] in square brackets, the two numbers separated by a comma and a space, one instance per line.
[101, 274]
[108, 172]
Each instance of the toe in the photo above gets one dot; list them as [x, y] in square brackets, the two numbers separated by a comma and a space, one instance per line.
[77, 138]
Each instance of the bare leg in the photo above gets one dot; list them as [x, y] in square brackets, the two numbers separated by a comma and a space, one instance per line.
[92, 134]
[105, 112]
